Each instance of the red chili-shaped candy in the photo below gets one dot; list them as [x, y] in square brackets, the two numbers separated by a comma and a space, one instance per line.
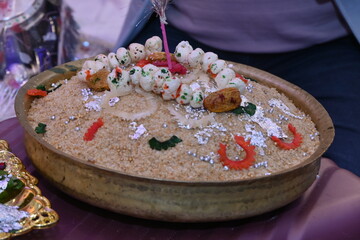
[242, 164]
[36, 93]
[292, 145]
[90, 133]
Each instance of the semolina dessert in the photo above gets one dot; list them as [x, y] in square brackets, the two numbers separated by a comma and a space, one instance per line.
[184, 117]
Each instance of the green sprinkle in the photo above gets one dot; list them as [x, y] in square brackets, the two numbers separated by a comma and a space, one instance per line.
[144, 74]
[132, 71]
[183, 97]
[41, 128]
[114, 81]
[164, 71]
[178, 54]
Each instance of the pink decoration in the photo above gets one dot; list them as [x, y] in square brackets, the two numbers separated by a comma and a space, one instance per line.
[176, 67]
[159, 8]
[166, 46]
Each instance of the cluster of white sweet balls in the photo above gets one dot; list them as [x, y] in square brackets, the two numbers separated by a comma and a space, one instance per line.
[124, 74]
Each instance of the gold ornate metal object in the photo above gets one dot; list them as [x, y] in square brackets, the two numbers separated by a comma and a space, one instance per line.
[30, 199]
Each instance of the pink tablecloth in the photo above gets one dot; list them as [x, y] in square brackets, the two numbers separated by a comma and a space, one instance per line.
[329, 209]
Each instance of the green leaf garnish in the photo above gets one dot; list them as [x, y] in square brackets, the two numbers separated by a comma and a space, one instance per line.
[157, 145]
[41, 128]
[13, 188]
[250, 109]
[41, 87]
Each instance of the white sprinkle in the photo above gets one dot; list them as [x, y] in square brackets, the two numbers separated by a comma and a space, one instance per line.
[86, 93]
[93, 105]
[226, 168]
[66, 122]
[140, 130]
[133, 125]
[203, 135]
[265, 123]
[53, 117]
[113, 101]
[261, 164]
[77, 129]
[4, 180]
[285, 109]
[194, 86]
[72, 117]
[249, 87]
[10, 217]
[256, 137]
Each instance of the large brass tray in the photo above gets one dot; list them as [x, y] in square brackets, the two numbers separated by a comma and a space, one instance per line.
[175, 200]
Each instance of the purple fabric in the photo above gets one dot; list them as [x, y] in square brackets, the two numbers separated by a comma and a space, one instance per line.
[257, 26]
[329, 209]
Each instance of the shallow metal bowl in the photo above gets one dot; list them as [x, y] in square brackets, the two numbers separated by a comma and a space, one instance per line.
[176, 201]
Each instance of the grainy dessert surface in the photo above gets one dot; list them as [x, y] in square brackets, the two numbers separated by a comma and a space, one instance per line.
[123, 145]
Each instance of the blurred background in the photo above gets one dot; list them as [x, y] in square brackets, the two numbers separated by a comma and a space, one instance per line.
[36, 35]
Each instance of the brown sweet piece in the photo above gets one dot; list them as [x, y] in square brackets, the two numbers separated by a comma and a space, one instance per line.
[98, 81]
[224, 100]
[159, 56]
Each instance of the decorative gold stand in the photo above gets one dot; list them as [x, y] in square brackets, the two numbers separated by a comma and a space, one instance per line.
[30, 199]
